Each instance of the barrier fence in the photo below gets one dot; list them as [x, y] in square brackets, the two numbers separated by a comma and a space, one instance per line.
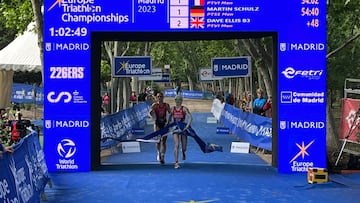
[249, 127]
[23, 174]
[118, 126]
[24, 93]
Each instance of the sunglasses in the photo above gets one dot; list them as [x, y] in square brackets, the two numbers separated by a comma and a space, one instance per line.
[159, 96]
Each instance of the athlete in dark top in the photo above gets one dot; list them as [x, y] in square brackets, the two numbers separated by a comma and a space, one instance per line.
[158, 112]
[178, 114]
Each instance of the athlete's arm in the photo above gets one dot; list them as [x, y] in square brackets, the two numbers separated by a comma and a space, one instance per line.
[170, 114]
[152, 109]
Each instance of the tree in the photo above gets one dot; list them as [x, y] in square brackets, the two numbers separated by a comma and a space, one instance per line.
[342, 45]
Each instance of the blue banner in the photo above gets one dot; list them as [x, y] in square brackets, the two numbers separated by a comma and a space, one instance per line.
[188, 94]
[131, 66]
[231, 67]
[252, 128]
[23, 174]
[164, 78]
[118, 127]
[23, 93]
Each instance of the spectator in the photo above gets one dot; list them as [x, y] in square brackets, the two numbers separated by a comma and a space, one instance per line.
[229, 98]
[267, 107]
[259, 102]
[133, 98]
[246, 102]
[106, 102]
[178, 88]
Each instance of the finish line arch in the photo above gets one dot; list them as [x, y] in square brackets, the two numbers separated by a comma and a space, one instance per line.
[74, 29]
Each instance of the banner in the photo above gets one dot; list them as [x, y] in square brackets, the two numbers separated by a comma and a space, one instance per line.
[127, 66]
[118, 127]
[217, 108]
[23, 174]
[349, 119]
[23, 93]
[252, 128]
[187, 94]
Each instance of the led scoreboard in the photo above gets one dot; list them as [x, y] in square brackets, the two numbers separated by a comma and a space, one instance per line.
[300, 65]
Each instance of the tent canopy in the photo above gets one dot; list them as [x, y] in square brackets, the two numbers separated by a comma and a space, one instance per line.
[22, 54]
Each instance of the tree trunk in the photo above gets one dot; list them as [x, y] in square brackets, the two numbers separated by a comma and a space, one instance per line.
[221, 85]
[36, 7]
[191, 84]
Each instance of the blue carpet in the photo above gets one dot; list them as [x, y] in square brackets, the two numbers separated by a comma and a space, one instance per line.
[206, 131]
[213, 177]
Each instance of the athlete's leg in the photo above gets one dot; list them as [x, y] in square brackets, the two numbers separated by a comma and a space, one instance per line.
[157, 145]
[176, 149]
[183, 146]
[163, 144]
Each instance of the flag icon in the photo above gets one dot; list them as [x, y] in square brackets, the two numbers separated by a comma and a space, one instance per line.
[197, 11]
[197, 22]
[199, 2]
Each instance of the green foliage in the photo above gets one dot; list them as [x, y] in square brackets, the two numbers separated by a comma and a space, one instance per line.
[187, 57]
[16, 14]
[342, 24]
[105, 71]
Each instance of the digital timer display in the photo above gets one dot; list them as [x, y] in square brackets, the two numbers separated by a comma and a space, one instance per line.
[300, 28]
[68, 32]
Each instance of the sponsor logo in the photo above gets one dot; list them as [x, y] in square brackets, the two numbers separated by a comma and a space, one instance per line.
[66, 97]
[52, 97]
[47, 46]
[301, 166]
[206, 73]
[282, 125]
[67, 72]
[310, 74]
[350, 119]
[282, 46]
[66, 46]
[66, 124]
[66, 148]
[301, 125]
[288, 97]
[301, 46]
[231, 67]
[48, 124]
[133, 68]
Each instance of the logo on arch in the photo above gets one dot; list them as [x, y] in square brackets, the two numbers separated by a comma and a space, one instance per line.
[54, 97]
[65, 97]
[66, 148]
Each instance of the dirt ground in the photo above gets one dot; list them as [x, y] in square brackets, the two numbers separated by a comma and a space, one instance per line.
[194, 105]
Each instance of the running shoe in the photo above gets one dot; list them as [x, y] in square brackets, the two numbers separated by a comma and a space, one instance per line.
[177, 166]
[162, 159]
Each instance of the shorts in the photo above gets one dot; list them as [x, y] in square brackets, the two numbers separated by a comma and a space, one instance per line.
[160, 123]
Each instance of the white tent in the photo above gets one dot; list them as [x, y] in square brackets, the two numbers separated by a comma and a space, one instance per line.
[22, 54]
